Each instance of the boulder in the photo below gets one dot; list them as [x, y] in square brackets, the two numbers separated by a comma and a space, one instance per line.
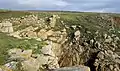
[50, 61]
[77, 33]
[50, 32]
[31, 34]
[30, 65]
[42, 34]
[48, 49]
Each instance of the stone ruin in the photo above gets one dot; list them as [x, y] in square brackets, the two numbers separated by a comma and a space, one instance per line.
[52, 20]
[6, 27]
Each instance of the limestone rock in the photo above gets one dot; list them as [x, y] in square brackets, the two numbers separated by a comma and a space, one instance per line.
[53, 63]
[6, 27]
[1, 69]
[42, 34]
[27, 32]
[56, 49]
[30, 65]
[107, 59]
[53, 20]
[19, 54]
[77, 35]
[74, 26]
[48, 49]
[42, 59]
[48, 56]
[4, 68]
[31, 34]
[30, 28]
[50, 61]
[91, 41]
[116, 39]
[15, 34]
[49, 33]
[12, 65]
[79, 68]
[108, 40]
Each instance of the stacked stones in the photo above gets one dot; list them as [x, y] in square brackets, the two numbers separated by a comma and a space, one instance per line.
[6, 27]
[32, 62]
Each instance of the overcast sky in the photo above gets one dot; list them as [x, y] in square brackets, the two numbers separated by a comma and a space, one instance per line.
[69, 5]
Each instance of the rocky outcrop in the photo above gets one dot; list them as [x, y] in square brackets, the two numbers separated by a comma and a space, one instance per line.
[69, 46]
[107, 60]
[98, 52]
[34, 62]
[49, 56]
[52, 20]
[6, 27]
[27, 32]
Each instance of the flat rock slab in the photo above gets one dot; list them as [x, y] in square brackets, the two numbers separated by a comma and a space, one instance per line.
[79, 68]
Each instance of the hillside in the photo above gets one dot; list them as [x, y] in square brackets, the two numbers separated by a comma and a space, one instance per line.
[35, 41]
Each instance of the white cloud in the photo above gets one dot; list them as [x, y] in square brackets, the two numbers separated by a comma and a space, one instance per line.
[61, 3]
[71, 5]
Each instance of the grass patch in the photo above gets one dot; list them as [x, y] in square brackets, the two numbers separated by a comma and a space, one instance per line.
[7, 42]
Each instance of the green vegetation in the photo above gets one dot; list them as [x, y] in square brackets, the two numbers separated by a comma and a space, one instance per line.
[7, 42]
[88, 21]
[6, 14]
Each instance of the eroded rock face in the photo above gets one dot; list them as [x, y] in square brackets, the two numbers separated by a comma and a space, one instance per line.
[49, 56]
[107, 60]
[98, 54]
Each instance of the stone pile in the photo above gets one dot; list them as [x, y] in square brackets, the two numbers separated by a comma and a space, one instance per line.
[27, 32]
[107, 61]
[30, 61]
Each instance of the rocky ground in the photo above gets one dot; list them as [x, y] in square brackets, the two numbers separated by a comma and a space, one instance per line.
[59, 41]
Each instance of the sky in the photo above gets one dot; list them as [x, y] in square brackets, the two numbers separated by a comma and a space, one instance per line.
[64, 5]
